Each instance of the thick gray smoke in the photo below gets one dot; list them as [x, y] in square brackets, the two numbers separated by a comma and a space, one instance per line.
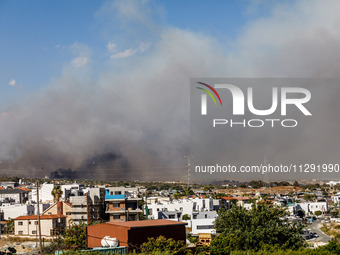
[130, 120]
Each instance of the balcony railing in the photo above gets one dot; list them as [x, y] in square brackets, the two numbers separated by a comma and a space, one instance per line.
[114, 197]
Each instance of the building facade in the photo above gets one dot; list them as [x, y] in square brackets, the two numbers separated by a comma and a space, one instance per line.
[51, 225]
[123, 204]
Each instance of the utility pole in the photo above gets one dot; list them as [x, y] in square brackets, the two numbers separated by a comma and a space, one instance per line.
[189, 168]
[38, 213]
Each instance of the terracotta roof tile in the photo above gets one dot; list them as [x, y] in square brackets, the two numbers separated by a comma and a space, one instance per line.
[42, 217]
[24, 188]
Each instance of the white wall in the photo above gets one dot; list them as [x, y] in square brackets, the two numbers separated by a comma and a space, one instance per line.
[312, 207]
[28, 229]
[186, 206]
[44, 193]
[203, 226]
[16, 210]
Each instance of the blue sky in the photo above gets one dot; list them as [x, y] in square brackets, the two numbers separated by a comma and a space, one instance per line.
[37, 36]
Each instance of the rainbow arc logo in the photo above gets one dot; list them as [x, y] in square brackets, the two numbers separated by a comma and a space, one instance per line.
[204, 97]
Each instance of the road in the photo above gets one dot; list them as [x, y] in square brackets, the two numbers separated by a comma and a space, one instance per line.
[315, 227]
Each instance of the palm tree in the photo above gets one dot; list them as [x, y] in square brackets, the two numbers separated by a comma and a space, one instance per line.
[56, 193]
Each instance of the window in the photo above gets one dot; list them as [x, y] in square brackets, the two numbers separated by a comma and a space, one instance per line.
[206, 216]
[195, 216]
[205, 226]
[34, 232]
[118, 193]
[68, 213]
[20, 223]
[21, 232]
[29, 222]
[115, 205]
[36, 222]
[115, 217]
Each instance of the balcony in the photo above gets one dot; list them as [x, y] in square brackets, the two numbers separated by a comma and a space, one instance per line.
[114, 197]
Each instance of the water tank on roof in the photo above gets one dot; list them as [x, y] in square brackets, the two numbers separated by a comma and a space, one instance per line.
[108, 241]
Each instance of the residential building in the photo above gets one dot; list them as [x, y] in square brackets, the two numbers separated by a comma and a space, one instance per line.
[201, 226]
[69, 189]
[92, 204]
[175, 209]
[17, 196]
[61, 208]
[123, 204]
[336, 198]
[312, 207]
[12, 210]
[51, 225]
[333, 183]
[11, 185]
[45, 193]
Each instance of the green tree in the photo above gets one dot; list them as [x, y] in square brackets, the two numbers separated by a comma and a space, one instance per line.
[75, 235]
[188, 192]
[186, 217]
[335, 213]
[296, 184]
[161, 244]
[240, 229]
[318, 213]
[56, 193]
[10, 226]
[257, 184]
[309, 197]
[177, 195]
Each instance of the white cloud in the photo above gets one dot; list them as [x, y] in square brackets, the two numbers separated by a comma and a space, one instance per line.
[12, 83]
[124, 54]
[79, 61]
[142, 47]
[111, 47]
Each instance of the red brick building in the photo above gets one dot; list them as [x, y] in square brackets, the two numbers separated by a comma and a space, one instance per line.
[134, 233]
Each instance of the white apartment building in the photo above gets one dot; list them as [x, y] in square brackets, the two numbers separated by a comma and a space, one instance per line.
[336, 198]
[12, 211]
[177, 208]
[51, 225]
[333, 183]
[45, 191]
[311, 207]
[205, 226]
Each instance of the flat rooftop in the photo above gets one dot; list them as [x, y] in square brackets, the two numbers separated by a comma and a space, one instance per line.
[147, 223]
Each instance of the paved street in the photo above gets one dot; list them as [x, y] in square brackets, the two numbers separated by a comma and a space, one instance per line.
[315, 227]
